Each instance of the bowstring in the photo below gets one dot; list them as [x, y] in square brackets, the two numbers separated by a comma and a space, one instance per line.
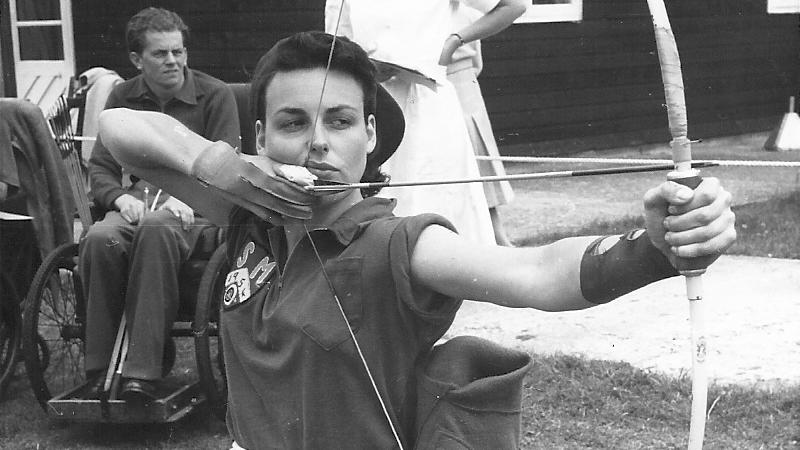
[322, 263]
[353, 337]
[325, 79]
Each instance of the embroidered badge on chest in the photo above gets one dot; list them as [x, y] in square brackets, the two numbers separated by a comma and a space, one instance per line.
[253, 270]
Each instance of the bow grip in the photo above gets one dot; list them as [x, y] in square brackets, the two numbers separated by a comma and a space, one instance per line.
[690, 266]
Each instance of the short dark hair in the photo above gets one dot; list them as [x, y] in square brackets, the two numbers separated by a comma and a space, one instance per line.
[152, 19]
[311, 50]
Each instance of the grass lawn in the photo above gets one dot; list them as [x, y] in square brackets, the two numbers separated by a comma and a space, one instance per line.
[569, 402]
[574, 403]
[768, 228]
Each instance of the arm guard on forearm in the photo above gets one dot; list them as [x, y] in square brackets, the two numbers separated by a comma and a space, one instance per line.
[629, 264]
[248, 186]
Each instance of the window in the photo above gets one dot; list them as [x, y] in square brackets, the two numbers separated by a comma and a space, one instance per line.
[783, 6]
[42, 43]
[38, 10]
[555, 11]
[39, 30]
[41, 40]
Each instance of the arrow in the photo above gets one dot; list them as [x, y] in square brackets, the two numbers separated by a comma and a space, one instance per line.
[327, 185]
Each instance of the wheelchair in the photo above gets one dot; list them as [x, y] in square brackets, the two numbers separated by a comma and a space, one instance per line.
[53, 328]
[10, 329]
[53, 324]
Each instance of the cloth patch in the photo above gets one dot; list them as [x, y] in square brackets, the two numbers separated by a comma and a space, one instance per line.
[254, 270]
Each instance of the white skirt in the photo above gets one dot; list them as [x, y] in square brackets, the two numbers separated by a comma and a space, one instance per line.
[436, 146]
[476, 119]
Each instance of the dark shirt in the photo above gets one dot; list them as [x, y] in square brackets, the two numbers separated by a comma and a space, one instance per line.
[294, 377]
[204, 104]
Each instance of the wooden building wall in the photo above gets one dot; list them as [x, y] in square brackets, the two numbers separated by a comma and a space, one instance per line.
[558, 87]
[550, 88]
[227, 36]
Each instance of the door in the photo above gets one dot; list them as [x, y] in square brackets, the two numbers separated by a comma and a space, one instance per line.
[44, 53]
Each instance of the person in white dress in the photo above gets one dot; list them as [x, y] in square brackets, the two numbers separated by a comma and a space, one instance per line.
[413, 34]
[462, 56]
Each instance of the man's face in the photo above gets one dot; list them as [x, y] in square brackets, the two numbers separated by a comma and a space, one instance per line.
[341, 140]
[162, 60]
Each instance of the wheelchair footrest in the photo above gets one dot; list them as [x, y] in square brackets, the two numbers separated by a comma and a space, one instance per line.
[174, 403]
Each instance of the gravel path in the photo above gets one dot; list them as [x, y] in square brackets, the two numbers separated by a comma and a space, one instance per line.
[752, 311]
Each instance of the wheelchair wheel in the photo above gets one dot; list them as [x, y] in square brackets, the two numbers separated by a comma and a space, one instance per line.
[207, 340]
[53, 328]
[10, 330]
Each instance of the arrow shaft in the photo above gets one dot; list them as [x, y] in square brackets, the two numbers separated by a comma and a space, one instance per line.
[520, 176]
[634, 161]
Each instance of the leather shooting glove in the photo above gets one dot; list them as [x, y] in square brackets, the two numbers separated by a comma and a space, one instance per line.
[246, 185]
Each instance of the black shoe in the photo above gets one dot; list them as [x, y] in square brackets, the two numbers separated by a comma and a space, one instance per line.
[94, 387]
[135, 390]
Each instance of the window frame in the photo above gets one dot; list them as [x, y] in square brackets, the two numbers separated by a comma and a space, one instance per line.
[566, 12]
[783, 6]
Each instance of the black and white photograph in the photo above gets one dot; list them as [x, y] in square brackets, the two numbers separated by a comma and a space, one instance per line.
[385, 224]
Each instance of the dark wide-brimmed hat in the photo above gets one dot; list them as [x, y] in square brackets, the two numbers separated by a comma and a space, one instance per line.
[310, 48]
[390, 127]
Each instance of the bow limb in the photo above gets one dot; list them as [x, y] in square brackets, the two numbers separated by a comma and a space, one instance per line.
[684, 174]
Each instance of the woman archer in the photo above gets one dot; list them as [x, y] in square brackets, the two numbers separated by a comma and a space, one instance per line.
[300, 375]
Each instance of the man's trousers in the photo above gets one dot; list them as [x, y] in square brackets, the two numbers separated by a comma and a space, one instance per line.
[135, 268]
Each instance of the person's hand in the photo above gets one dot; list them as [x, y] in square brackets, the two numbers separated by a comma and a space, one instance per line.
[690, 224]
[180, 210]
[251, 182]
[296, 174]
[450, 46]
[264, 164]
[130, 208]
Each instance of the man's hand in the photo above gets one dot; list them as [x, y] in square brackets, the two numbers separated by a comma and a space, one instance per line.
[130, 208]
[688, 224]
[180, 210]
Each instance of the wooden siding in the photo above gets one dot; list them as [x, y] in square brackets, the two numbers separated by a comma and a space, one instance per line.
[563, 87]
[226, 36]
[550, 88]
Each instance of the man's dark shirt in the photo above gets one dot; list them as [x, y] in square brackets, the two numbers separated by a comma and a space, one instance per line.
[204, 104]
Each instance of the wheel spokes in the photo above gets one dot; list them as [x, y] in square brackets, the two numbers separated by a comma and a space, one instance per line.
[60, 352]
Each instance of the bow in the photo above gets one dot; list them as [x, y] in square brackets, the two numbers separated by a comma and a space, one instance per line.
[692, 269]
[338, 302]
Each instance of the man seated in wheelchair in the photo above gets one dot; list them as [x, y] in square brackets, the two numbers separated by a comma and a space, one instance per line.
[333, 305]
[130, 260]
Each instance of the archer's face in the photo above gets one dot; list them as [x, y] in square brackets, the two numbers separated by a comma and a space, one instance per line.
[337, 147]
